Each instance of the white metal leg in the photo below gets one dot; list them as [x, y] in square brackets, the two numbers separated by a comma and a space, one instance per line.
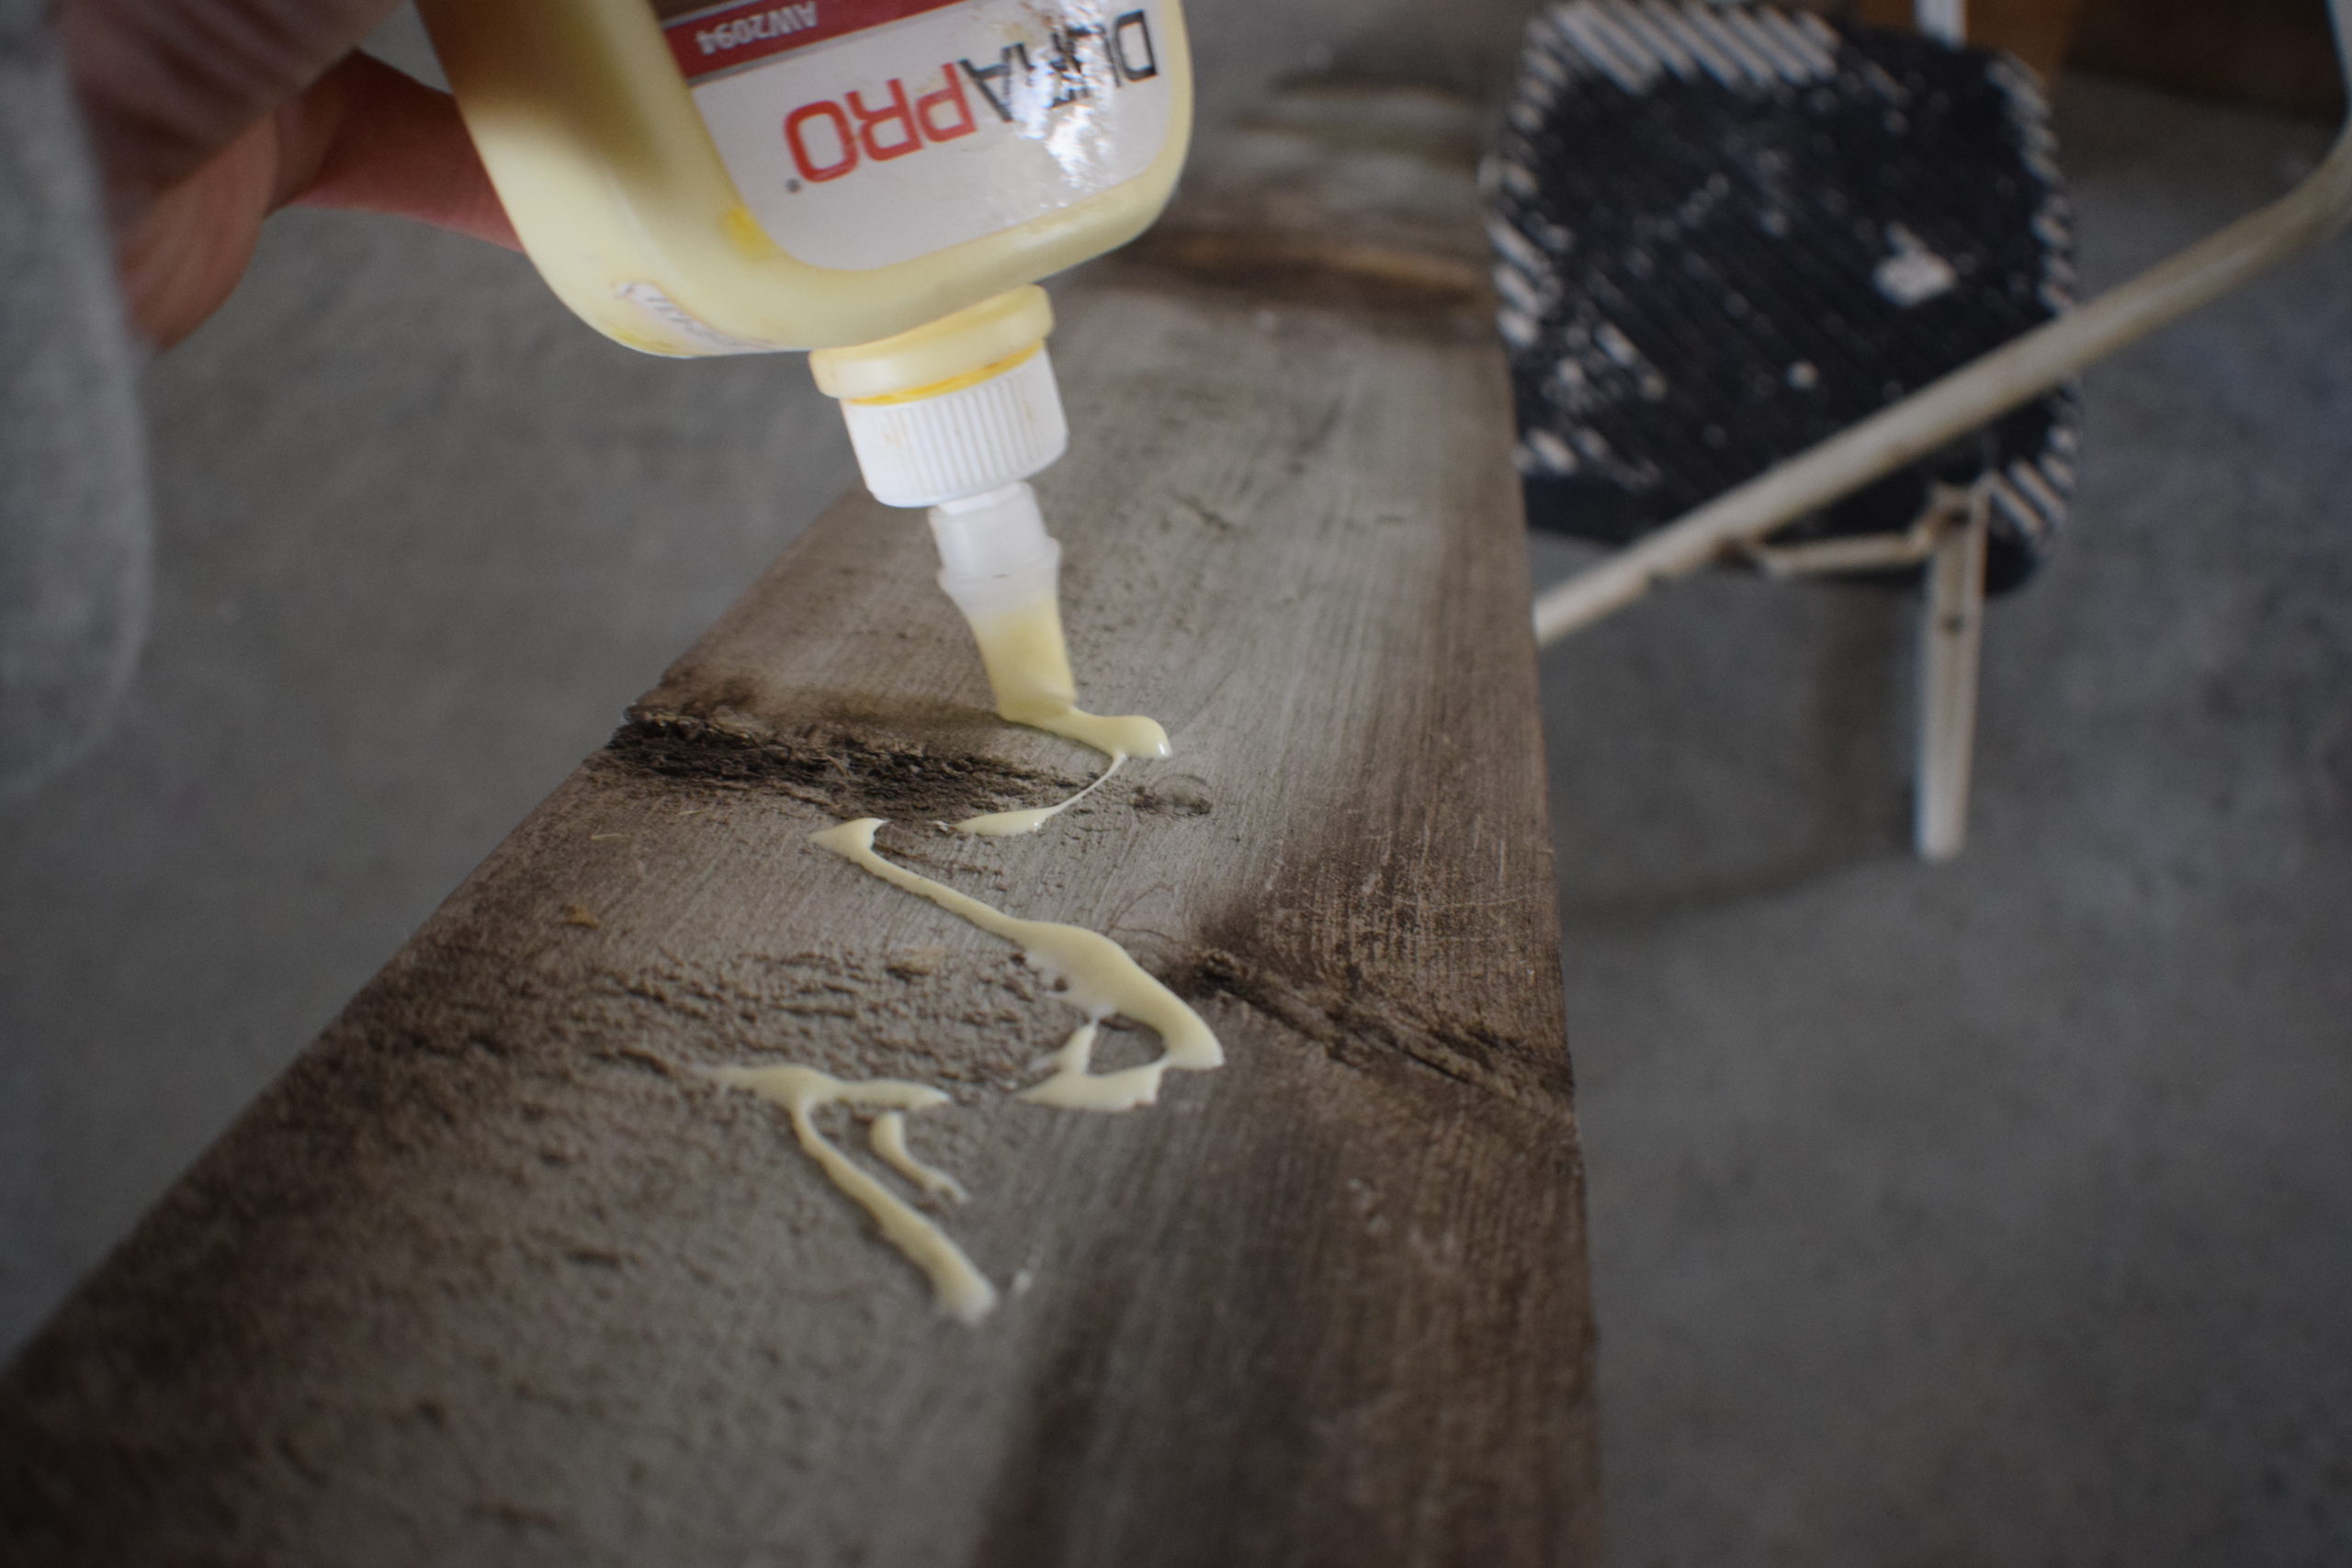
[1952, 637]
[1945, 21]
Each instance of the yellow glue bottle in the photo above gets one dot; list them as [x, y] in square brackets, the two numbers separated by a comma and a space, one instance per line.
[879, 181]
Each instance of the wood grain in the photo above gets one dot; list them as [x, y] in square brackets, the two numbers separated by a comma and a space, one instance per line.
[490, 1276]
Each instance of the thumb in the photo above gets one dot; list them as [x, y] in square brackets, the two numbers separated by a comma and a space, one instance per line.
[166, 86]
[364, 137]
[371, 140]
[208, 114]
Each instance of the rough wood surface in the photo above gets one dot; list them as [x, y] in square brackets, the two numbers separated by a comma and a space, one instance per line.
[489, 1276]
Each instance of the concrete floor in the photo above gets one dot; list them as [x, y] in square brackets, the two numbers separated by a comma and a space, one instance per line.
[1994, 1215]
[1998, 1213]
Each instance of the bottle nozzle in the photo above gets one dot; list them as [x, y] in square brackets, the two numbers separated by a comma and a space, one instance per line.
[994, 553]
[956, 417]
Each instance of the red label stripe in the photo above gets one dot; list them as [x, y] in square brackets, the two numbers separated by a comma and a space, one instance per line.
[728, 35]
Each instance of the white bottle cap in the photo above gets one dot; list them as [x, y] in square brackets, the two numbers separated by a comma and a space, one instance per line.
[922, 451]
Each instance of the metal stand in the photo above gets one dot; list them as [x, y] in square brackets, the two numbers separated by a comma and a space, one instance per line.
[1738, 523]
[1952, 638]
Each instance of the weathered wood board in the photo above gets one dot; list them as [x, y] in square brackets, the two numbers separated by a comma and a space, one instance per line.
[492, 1276]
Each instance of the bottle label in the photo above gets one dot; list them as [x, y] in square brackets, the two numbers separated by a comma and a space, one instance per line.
[677, 320]
[865, 132]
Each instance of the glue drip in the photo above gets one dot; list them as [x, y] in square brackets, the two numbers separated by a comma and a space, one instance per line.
[1102, 980]
[1028, 666]
[1011, 823]
[962, 1291]
[1003, 571]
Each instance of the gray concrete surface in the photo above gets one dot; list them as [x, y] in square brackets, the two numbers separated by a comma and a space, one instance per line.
[1995, 1215]
[2000, 1213]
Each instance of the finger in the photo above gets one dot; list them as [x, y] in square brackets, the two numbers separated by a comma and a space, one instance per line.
[363, 137]
[183, 253]
[370, 138]
[166, 85]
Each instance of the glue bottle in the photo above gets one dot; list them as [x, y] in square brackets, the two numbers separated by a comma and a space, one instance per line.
[882, 182]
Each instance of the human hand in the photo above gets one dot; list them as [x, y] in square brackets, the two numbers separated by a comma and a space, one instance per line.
[205, 116]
